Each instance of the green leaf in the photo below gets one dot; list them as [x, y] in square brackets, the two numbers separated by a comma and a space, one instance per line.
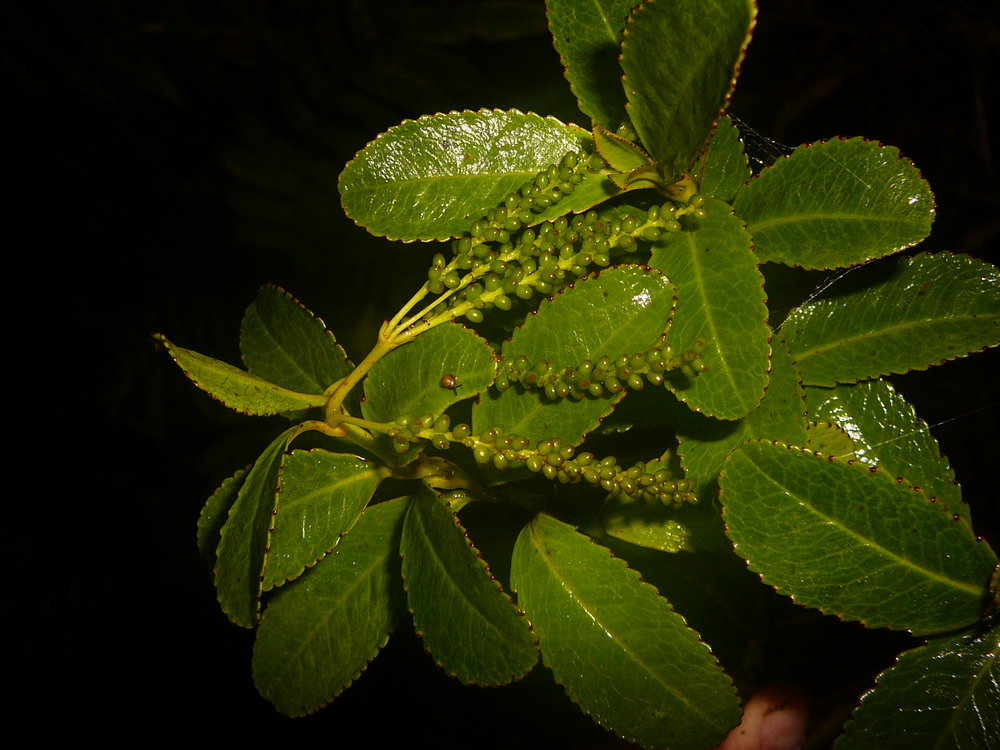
[283, 343]
[828, 439]
[723, 170]
[528, 413]
[216, 509]
[468, 623]
[720, 301]
[620, 154]
[945, 694]
[887, 433]
[680, 62]
[648, 525]
[836, 203]
[616, 646]
[852, 541]
[429, 179]
[588, 37]
[236, 388]
[895, 318]
[239, 567]
[320, 497]
[622, 310]
[407, 381]
[320, 632]
[704, 444]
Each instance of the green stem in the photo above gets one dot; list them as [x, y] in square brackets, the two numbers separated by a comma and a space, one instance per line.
[411, 303]
[383, 346]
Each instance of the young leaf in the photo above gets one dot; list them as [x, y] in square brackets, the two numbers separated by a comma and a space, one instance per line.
[470, 626]
[320, 632]
[588, 38]
[407, 381]
[236, 388]
[704, 444]
[836, 203]
[620, 154]
[852, 541]
[887, 433]
[680, 62]
[616, 646]
[429, 179]
[942, 694]
[720, 300]
[213, 514]
[320, 497]
[240, 554]
[282, 342]
[723, 169]
[925, 310]
[622, 310]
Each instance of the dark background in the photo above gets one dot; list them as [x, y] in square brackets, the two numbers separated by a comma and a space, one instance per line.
[164, 159]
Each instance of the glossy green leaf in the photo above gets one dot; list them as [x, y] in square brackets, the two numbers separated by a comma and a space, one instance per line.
[319, 632]
[320, 497]
[468, 623]
[407, 381]
[723, 170]
[622, 310]
[587, 36]
[945, 694]
[720, 300]
[835, 204]
[680, 61]
[617, 647]
[429, 179]
[852, 541]
[886, 432]
[889, 318]
[704, 444]
[283, 343]
[236, 388]
[214, 512]
[239, 566]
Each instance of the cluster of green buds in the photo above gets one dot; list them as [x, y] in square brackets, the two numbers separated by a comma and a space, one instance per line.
[551, 458]
[595, 377]
[503, 258]
[413, 429]
[559, 462]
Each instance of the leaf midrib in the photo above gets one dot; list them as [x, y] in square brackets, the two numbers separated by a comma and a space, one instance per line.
[896, 329]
